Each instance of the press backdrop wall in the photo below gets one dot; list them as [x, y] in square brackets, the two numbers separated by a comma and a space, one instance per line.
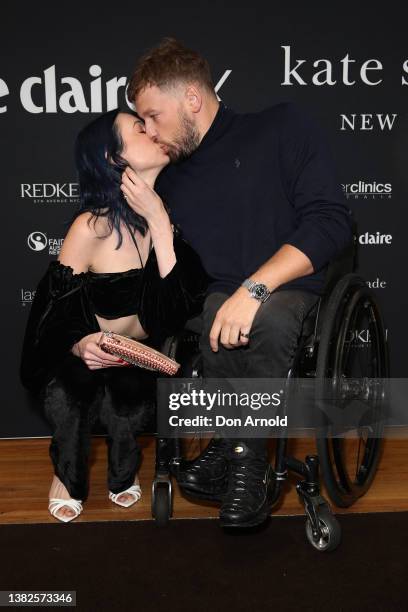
[346, 64]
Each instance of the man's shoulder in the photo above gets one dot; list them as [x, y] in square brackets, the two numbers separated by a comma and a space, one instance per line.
[284, 121]
[293, 124]
[283, 118]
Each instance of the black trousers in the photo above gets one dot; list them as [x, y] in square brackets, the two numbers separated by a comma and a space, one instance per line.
[274, 338]
[120, 399]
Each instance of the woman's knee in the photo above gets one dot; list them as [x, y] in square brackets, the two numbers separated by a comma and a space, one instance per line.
[68, 413]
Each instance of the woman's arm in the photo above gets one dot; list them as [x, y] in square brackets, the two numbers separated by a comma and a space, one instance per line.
[166, 303]
[77, 252]
[174, 280]
[59, 316]
[162, 237]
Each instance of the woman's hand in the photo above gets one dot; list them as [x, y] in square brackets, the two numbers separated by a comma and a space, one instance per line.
[93, 356]
[145, 201]
[141, 197]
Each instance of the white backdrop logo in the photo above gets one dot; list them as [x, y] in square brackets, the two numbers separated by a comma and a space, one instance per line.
[50, 193]
[367, 190]
[377, 284]
[26, 296]
[367, 122]
[38, 241]
[361, 338]
[48, 92]
[377, 238]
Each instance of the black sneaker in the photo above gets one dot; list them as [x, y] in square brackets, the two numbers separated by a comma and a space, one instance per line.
[248, 500]
[206, 476]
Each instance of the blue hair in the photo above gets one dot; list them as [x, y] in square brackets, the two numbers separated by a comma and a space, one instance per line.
[99, 163]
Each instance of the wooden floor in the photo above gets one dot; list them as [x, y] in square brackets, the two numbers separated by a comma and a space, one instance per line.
[26, 473]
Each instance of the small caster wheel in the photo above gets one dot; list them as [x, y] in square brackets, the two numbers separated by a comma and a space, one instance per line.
[161, 503]
[331, 531]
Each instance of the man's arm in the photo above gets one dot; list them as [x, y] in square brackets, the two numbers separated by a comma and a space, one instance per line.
[238, 312]
[324, 223]
[287, 264]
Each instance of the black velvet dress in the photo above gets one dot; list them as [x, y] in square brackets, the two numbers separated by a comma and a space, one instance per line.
[121, 399]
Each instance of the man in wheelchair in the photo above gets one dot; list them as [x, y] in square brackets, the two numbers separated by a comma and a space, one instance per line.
[256, 195]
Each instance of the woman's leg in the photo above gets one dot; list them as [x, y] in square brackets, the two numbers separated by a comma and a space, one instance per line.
[70, 404]
[128, 410]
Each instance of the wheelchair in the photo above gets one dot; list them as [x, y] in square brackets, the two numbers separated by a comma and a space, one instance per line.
[343, 339]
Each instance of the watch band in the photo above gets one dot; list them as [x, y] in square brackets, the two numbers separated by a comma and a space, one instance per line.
[248, 283]
[258, 291]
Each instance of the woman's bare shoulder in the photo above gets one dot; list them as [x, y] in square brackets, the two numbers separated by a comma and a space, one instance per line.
[81, 241]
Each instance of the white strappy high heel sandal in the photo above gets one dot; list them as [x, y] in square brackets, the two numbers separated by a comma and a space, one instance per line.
[134, 490]
[57, 503]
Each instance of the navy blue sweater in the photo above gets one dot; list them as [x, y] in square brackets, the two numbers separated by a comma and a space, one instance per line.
[255, 182]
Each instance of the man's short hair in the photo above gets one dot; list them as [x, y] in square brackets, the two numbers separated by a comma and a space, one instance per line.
[167, 65]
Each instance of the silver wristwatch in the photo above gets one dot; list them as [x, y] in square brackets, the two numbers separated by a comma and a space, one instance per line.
[259, 291]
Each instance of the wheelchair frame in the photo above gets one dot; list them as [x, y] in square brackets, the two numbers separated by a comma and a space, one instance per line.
[345, 293]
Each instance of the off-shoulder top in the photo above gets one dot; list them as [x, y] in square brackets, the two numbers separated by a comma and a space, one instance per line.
[65, 304]
[114, 294]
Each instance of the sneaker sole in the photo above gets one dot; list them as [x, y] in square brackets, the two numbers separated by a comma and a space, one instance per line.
[258, 520]
[253, 523]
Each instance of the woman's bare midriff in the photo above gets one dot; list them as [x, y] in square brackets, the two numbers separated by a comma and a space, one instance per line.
[126, 326]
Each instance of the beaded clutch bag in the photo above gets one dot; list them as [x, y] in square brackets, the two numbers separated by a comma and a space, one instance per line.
[137, 353]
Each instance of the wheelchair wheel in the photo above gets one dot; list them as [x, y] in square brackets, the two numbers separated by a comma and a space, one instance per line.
[352, 349]
[330, 531]
[161, 503]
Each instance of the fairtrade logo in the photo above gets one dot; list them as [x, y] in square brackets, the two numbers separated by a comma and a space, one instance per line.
[37, 241]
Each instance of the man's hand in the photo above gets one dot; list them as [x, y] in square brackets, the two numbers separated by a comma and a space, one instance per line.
[235, 316]
[141, 197]
[93, 356]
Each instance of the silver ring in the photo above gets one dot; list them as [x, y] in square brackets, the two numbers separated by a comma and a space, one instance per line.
[244, 335]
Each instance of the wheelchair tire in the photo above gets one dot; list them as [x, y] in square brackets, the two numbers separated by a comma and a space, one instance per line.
[331, 531]
[161, 504]
[345, 480]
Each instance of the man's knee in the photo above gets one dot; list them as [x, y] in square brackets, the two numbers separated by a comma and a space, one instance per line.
[281, 317]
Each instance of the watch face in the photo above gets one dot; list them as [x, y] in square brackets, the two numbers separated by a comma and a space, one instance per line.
[260, 291]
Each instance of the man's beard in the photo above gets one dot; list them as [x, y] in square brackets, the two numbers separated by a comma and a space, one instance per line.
[186, 140]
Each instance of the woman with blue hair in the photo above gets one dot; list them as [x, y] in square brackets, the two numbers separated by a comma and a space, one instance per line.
[122, 268]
